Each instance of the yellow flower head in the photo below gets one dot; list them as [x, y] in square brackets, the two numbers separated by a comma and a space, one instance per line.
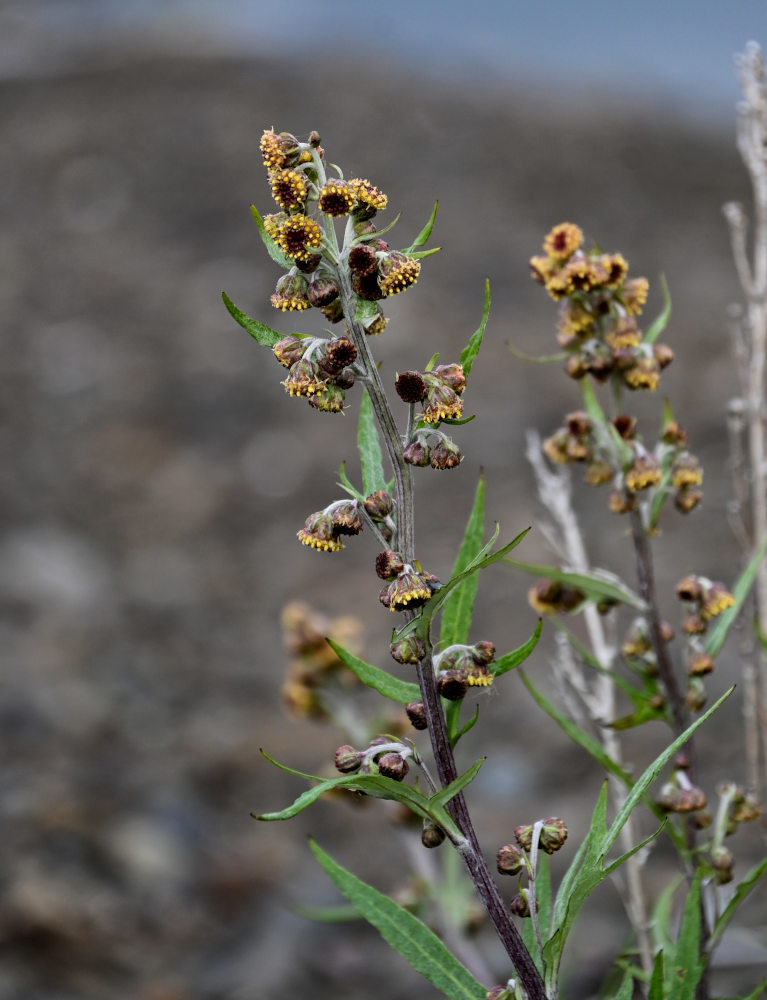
[563, 240]
[367, 194]
[289, 188]
[634, 295]
[298, 237]
[336, 198]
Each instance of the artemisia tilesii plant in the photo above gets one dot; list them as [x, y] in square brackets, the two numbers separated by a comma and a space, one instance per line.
[334, 257]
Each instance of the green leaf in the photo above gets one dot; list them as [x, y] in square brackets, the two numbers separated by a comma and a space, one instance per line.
[259, 331]
[466, 726]
[405, 933]
[457, 610]
[366, 311]
[469, 353]
[381, 681]
[327, 914]
[661, 916]
[740, 591]
[688, 962]
[540, 359]
[345, 484]
[273, 250]
[661, 322]
[444, 795]
[626, 989]
[513, 659]
[543, 898]
[597, 585]
[577, 735]
[747, 883]
[595, 411]
[425, 233]
[656, 981]
[369, 448]
[420, 254]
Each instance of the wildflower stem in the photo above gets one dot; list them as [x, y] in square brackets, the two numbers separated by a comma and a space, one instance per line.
[446, 768]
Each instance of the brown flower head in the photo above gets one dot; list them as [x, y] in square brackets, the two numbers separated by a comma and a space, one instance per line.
[279, 150]
[290, 293]
[320, 533]
[289, 188]
[304, 378]
[396, 272]
[367, 195]
[298, 237]
[634, 295]
[336, 198]
[563, 240]
[289, 349]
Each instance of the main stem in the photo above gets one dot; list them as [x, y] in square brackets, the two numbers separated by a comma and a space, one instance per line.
[443, 754]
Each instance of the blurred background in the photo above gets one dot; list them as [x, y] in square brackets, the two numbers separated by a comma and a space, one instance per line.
[155, 472]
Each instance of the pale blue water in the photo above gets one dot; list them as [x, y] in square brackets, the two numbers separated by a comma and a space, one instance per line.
[679, 50]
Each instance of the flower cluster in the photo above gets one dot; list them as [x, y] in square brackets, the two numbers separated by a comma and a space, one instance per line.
[513, 859]
[302, 230]
[407, 588]
[324, 529]
[319, 369]
[598, 309]
[629, 466]
[460, 667]
[439, 391]
[383, 755]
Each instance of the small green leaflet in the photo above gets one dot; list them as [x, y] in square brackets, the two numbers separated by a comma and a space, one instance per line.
[273, 250]
[381, 681]
[259, 331]
[405, 933]
[688, 962]
[369, 448]
[660, 323]
[424, 235]
[457, 610]
[513, 659]
[540, 359]
[469, 353]
[747, 883]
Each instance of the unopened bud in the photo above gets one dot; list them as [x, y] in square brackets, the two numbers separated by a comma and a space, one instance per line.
[417, 715]
[348, 759]
[410, 649]
[695, 696]
[722, 860]
[417, 453]
[520, 904]
[432, 835]
[363, 260]
[392, 765]
[553, 834]
[699, 665]
[389, 564]
[321, 292]
[379, 505]
[452, 684]
[445, 455]
[511, 860]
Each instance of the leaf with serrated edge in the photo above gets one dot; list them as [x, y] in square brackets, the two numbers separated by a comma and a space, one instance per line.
[369, 448]
[272, 249]
[405, 933]
[740, 591]
[391, 687]
[457, 609]
[264, 334]
[469, 353]
[511, 660]
[425, 233]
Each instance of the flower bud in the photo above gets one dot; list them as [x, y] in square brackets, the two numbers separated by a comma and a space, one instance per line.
[310, 265]
[663, 355]
[699, 665]
[389, 564]
[288, 350]
[411, 387]
[348, 760]
[452, 684]
[452, 375]
[625, 425]
[321, 292]
[392, 765]
[417, 715]
[745, 809]
[411, 649]
[695, 696]
[524, 836]
[367, 287]
[483, 652]
[291, 293]
[379, 505]
[347, 519]
[690, 590]
[687, 499]
[722, 861]
[432, 835]
[408, 590]
[363, 260]
[417, 453]
[511, 860]
[445, 455]
[520, 904]
[553, 834]
[334, 311]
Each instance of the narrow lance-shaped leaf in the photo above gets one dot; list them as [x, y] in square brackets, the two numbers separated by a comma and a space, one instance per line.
[444, 795]
[740, 591]
[596, 586]
[656, 981]
[425, 233]
[273, 250]
[660, 323]
[259, 331]
[381, 681]
[346, 484]
[405, 933]
[509, 661]
[745, 886]
[369, 448]
[457, 609]
[469, 353]
[688, 962]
